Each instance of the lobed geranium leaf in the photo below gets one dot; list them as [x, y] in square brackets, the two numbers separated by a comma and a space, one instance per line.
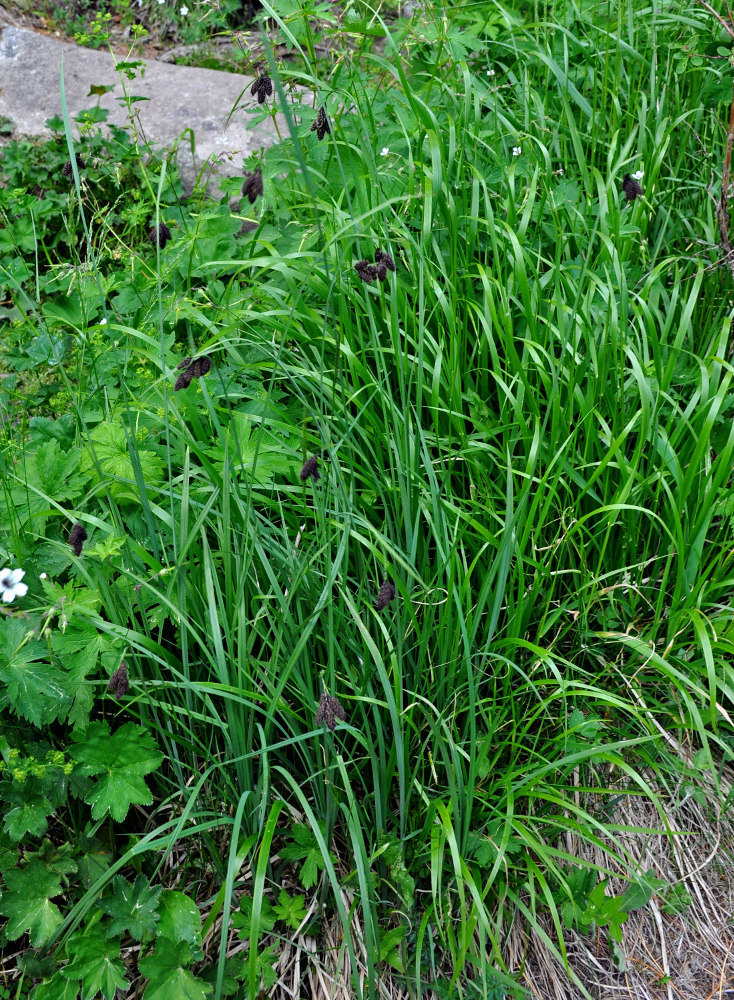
[27, 902]
[121, 760]
[33, 688]
[95, 961]
[133, 908]
[53, 471]
[169, 979]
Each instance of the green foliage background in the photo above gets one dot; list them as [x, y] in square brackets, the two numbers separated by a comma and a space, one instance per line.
[526, 429]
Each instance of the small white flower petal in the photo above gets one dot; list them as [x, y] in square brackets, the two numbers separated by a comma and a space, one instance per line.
[384, 151]
[8, 596]
[15, 577]
[44, 576]
[21, 589]
[516, 150]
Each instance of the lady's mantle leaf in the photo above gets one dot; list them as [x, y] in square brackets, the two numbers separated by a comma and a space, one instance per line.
[110, 448]
[95, 960]
[133, 908]
[34, 689]
[180, 918]
[27, 903]
[169, 980]
[122, 759]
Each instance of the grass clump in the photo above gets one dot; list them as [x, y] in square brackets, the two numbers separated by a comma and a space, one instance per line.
[406, 516]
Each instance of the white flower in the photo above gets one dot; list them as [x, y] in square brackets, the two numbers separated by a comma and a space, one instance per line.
[103, 322]
[639, 175]
[384, 151]
[10, 584]
[184, 12]
[516, 150]
[161, 2]
[44, 576]
[490, 72]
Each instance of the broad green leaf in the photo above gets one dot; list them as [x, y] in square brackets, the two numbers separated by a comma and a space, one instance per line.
[33, 688]
[57, 988]
[95, 960]
[133, 908]
[78, 651]
[27, 903]
[53, 471]
[180, 919]
[641, 891]
[389, 945]
[58, 859]
[122, 759]
[242, 918]
[110, 446]
[235, 971]
[169, 979]
[94, 860]
[29, 816]
[307, 848]
[8, 854]
[291, 909]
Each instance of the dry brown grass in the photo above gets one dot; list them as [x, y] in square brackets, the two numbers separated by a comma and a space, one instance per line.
[668, 956]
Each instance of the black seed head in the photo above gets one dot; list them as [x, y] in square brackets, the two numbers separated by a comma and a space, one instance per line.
[329, 711]
[310, 470]
[381, 270]
[183, 365]
[77, 538]
[385, 595]
[263, 87]
[320, 124]
[631, 187]
[183, 381]
[199, 367]
[253, 186]
[366, 271]
[118, 684]
[159, 235]
[384, 258]
[67, 170]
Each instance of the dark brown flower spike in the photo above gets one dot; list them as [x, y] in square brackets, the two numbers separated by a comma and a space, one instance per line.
[199, 367]
[119, 685]
[195, 369]
[384, 258]
[159, 235]
[253, 186]
[77, 538]
[321, 124]
[262, 87]
[310, 470]
[183, 365]
[366, 271]
[385, 595]
[67, 168]
[631, 187]
[329, 711]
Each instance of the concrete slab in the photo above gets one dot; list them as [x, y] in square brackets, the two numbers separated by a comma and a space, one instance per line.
[179, 97]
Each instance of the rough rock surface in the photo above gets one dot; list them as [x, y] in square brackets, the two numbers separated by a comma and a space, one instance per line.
[177, 98]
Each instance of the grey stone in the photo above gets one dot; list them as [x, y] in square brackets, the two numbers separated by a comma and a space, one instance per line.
[178, 98]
